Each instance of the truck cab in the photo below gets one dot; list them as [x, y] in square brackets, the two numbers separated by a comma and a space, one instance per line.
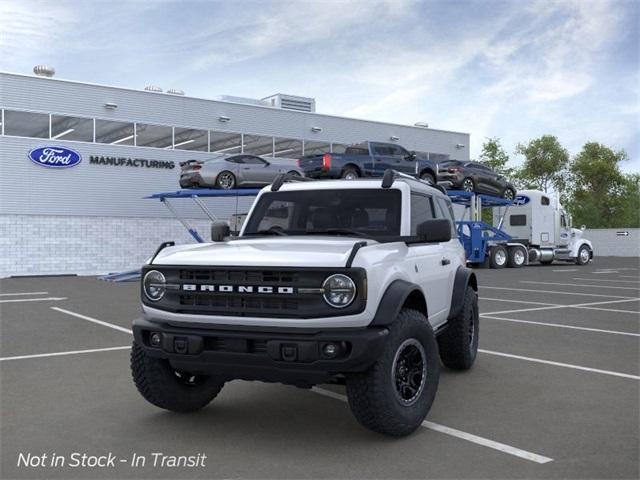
[540, 222]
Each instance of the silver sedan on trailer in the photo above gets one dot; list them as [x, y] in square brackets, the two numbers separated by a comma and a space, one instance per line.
[234, 171]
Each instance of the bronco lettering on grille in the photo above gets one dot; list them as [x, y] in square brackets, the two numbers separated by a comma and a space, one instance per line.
[192, 287]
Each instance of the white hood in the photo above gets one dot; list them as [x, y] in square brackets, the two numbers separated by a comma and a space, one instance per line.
[294, 251]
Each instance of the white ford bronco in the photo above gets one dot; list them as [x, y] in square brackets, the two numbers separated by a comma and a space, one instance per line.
[360, 282]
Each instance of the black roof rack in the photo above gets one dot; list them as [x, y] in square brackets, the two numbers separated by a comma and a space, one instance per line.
[391, 175]
[287, 177]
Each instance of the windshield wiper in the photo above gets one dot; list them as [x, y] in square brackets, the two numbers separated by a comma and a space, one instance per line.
[339, 231]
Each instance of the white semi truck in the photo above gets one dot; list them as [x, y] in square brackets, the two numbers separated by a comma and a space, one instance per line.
[540, 223]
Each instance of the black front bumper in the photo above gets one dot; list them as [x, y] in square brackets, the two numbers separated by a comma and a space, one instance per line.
[277, 355]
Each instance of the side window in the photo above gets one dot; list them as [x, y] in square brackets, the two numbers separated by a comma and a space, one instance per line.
[447, 212]
[235, 159]
[398, 151]
[253, 160]
[563, 221]
[381, 149]
[545, 201]
[421, 210]
[518, 220]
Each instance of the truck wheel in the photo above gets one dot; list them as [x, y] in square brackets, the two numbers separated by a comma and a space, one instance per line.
[584, 255]
[350, 173]
[396, 393]
[517, 257]
[459, 342]
[498, 257]
[428, 177]
[166, 388]
[226, 180]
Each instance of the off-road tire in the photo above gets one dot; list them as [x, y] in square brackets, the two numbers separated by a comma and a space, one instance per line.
[580, 260]
[158, 383]
[428, 177]
[234, 182]
[512, 260]
[350, 173]
[458, 344]
[373, 397]
[496, 256]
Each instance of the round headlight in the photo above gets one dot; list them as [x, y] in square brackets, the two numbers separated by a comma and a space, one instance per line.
[339, 290]
[154, 285]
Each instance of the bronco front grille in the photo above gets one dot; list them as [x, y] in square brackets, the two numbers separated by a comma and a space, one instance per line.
[197, 290]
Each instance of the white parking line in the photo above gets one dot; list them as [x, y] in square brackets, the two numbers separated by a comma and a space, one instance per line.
[93, 320]
[580, 285]
[516, 301]
[60, 354]
[559, 325]
[628, 276]
[530, 290]
[567, 270]
[588, 306]
[20, 300]
[605, 280]
[560, 364]
[469, 437]
[23, 293]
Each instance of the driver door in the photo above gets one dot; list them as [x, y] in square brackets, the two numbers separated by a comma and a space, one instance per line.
[257, 170]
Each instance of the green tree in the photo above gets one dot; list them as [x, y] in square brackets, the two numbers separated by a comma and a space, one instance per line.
[600, 195]
[545, 163]
[495, 157]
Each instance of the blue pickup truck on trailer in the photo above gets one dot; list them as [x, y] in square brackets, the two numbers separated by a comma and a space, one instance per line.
[369, 159]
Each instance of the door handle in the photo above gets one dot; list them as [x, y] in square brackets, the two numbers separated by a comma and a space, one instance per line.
[445, 261]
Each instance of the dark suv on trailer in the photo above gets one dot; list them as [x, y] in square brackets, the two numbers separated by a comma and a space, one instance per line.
[475, 177]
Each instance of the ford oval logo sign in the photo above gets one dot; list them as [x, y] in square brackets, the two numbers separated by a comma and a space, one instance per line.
[521, 200]
[55, 157]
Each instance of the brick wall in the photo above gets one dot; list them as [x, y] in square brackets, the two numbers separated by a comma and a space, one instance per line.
[41, 245]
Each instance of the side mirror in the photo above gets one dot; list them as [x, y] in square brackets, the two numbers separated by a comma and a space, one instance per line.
[411, 157]
[220, 231]
[436, 230]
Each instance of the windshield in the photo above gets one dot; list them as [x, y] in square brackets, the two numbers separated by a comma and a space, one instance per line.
[351, 212]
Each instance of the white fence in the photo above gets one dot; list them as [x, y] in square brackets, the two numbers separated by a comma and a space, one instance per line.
[615, 242]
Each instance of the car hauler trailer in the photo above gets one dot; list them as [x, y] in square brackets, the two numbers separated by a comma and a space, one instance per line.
[539, 222]
[484, 243]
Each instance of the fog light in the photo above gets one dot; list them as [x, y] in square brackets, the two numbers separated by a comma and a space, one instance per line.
[330, 350]
[155, 339]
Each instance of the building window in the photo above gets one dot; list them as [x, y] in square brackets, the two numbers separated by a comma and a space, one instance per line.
[315, 148]
[71, 128]
[26, 124]
[338, 147]
[258, 145]
[114, 133]
[190, 139]
[225, 142]
[287, 148]
[157, 136]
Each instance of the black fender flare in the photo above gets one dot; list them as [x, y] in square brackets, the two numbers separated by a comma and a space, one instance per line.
[464, 278]
[394, 299]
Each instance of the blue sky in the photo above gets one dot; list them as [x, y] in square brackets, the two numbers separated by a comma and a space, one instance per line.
[514, 70]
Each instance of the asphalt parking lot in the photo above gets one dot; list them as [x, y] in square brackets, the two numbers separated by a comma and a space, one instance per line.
[554, 393]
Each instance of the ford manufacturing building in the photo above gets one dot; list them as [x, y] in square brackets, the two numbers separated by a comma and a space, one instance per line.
[92, 218]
